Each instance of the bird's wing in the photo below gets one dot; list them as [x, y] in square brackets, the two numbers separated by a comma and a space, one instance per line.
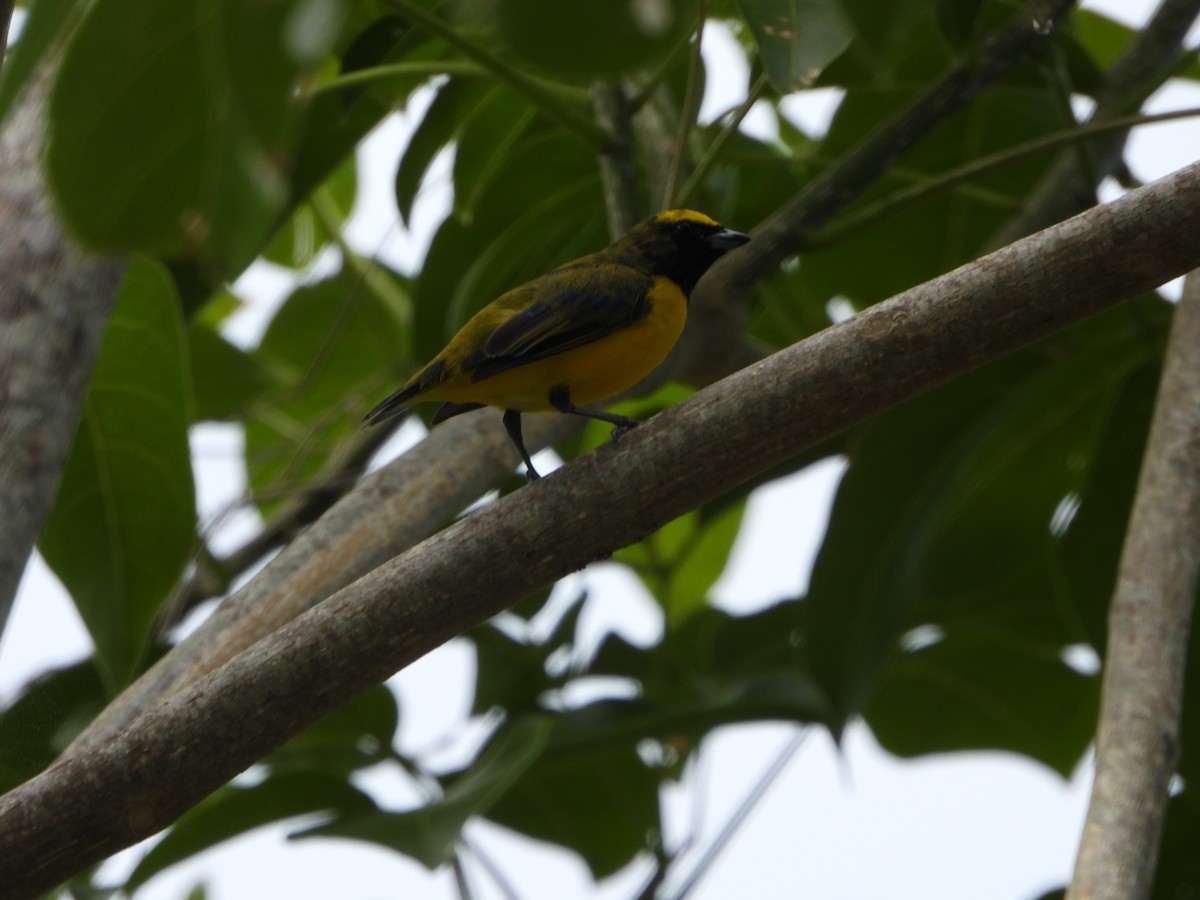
[565, 308]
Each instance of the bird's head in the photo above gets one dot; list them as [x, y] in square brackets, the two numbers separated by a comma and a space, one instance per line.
[679, 244]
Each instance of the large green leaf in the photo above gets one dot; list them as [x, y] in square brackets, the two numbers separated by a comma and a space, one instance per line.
[797, 38]
[583, 38]
[893, 43]
[614, 790]
[946, 229]
[173, 123]
[226, 378]
[953, 506]
[978, 689]
[123, 523]
[451, 109]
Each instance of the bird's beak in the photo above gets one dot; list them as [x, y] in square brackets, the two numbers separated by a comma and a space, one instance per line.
[727, 240]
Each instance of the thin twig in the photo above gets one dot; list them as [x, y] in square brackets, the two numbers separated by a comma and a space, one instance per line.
[713, 154]
[1070, 185]
[499, 879]
[896, 202]
[738, 819]
[691, 105]
[546, 99]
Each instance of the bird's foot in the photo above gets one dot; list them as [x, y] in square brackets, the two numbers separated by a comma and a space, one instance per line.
[623, 428]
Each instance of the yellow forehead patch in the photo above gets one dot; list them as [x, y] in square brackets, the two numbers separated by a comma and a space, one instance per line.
[685, 215]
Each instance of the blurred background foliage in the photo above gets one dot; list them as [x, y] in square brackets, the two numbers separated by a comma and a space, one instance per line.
[973, 540]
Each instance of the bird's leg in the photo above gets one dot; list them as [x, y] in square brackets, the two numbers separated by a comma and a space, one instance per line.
[560, 399]
[512, 424]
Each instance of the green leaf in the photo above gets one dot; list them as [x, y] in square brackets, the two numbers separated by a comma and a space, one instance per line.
[601, 802]
[980, 690]
[949, 512]
[945, 229]
[681, 561]
[428, 834]
[46, 22]
[354, 737]
[585, 39]
[893, 39]
[484, 144]
[452, 107]
[226, 378]
[173, 123]
[46, 716]
[327, 348]
[1104, 39]
[123, 523]
[959, 19]
[336, 121]
[1178, 870]
[233, 811]
[304, 234]
[797, 38]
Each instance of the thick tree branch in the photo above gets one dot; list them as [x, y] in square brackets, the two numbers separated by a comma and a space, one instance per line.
[1149, 623]
[88, 805]
[54, 302]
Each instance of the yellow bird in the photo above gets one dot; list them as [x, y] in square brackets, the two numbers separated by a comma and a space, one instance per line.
[577, 335]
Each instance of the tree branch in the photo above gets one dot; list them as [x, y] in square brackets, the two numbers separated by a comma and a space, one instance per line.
[618, 172]
[54, 303]
[1070, 186]
[706, 348]
[1149, 623]
[91, 804]
[388, 512]
[547, 98]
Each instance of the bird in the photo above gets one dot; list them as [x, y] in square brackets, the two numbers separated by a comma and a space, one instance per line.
[577, 335]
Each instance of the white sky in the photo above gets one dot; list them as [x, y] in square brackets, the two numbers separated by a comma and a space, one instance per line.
[979, 825]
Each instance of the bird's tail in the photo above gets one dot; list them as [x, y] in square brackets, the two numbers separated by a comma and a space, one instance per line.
[393, 406]
[425, 380]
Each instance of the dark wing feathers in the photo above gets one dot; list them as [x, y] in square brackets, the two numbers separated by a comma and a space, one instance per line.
[580, 304]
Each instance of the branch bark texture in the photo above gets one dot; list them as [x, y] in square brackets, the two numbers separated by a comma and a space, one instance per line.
[127, 787]
[1138, 742]
[54, 303]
